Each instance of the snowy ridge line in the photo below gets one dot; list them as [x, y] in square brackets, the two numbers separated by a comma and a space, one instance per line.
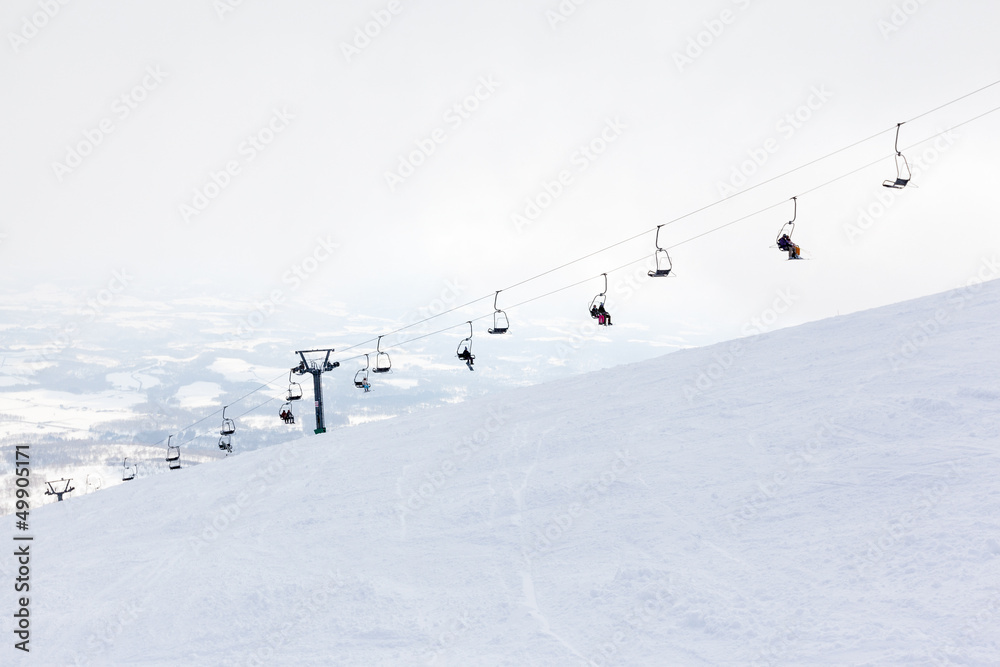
[396, 543]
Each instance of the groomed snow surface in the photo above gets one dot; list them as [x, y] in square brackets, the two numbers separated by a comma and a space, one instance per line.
[822, 495]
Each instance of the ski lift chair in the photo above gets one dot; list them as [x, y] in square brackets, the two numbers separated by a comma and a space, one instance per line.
[464, 350]
[902, 167]
[500, 321]
[228, 425]
[383, 364]
[361, 377]
[173, 455]
[662, 258]
[294, 389]
[128, 471]
[597, 310]
[784, 238]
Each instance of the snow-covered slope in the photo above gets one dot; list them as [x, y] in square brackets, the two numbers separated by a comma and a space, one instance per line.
[825, 494]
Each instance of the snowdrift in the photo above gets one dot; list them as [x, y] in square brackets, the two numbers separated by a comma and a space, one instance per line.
[825, 494]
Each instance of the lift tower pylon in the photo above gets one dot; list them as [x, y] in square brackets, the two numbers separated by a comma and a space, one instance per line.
[67, 487]
[316, 369]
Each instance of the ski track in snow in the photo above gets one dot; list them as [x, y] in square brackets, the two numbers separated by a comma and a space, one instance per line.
[821, 502]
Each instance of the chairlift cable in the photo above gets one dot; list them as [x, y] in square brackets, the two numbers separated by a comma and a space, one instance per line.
[676, 245]
[906, 148]
[257, 407]
[957, 99]
[643, 233]
[704, 208]
[696, 236]
[194, 437]
[219, 411]
[834, 180]
[774, 178]
[413, 324]
[953, 127]
[212, 414]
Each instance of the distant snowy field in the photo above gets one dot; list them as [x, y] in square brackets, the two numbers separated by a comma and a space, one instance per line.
[86, 389]
[821, 495]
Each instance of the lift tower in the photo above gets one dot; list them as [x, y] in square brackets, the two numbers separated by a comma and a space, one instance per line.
[316, 369]
[65, 489]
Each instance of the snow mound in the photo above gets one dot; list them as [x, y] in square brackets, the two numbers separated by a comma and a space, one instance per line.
[819, 495]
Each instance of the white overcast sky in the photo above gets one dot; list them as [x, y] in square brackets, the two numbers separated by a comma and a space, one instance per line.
[183, 85]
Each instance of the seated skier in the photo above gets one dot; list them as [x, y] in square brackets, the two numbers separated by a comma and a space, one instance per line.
[603, 316]
[466, 356]
[785, 244]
